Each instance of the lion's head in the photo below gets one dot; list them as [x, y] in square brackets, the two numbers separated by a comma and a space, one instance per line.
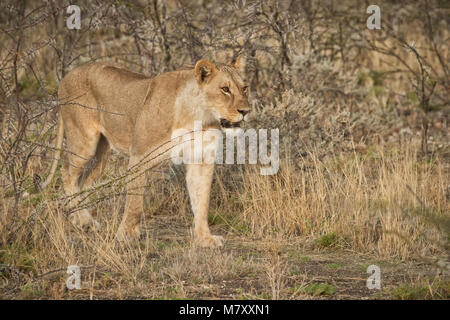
[225, 92]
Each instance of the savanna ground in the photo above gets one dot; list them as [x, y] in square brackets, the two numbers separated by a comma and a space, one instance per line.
[364, 153]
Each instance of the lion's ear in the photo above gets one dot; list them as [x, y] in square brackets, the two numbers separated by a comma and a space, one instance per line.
[240, 63]
[204, 70]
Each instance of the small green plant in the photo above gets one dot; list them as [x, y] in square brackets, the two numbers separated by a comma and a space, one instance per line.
[305, 259]
[33, 200]
[334, 266]
[319, 289]
[405, 292]
[17, 256]
[438, 289]
[234, 223]
[32, 291]
[377, 77]
[175, 292]
[327, 240]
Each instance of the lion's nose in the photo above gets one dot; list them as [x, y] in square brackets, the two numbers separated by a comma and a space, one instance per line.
[243, 112]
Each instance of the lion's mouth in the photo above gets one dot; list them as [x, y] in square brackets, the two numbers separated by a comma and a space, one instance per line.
[224, 123]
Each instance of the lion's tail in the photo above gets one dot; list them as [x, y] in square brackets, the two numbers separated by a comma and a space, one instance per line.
[58, 146]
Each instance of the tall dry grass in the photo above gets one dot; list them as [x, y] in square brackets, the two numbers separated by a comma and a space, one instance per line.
[363, 200]
[360, 202]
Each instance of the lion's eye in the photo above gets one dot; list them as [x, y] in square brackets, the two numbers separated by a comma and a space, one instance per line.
[225, 89]
[244, 89]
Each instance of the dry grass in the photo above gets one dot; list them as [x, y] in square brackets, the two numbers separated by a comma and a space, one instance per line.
[362, 201]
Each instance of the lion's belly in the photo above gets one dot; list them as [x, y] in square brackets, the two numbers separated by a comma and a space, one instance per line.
[118, 134]
[118, 143]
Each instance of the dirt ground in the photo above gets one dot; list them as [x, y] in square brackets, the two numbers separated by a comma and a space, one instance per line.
[242, 269]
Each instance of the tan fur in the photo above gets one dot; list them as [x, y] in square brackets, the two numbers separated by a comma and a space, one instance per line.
[103, 106]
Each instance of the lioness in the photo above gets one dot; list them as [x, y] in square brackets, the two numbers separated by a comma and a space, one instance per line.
[104, 106]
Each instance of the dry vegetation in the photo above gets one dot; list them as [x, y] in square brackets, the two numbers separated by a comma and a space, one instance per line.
[364, 173]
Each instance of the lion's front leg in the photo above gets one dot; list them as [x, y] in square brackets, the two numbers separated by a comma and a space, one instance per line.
[131, 222]
[199, 179]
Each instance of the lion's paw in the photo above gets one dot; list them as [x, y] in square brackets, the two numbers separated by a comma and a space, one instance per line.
[128, 234]
[210, 241]
[83, 220]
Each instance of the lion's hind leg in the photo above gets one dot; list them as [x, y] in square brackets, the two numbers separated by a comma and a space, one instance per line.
[82, 145]
[95, 168]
